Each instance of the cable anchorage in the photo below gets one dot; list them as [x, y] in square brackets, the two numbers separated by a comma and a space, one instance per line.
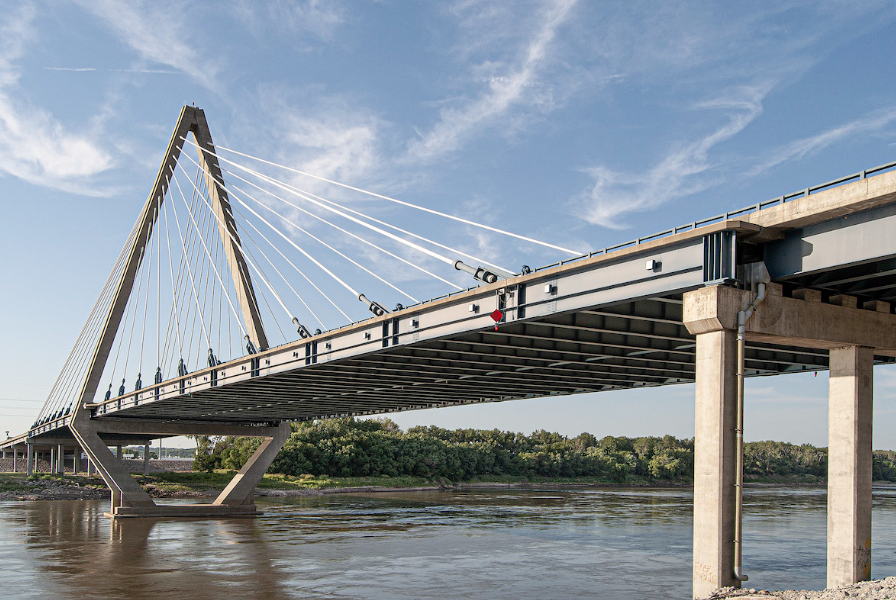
[479, 273]
[375, 307]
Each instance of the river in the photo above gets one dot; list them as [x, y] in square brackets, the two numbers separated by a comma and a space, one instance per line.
[475, 544]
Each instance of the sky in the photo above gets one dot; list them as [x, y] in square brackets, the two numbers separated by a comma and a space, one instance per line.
[582, 124]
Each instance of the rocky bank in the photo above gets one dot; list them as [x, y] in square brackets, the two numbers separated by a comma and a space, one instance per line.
[878, 589]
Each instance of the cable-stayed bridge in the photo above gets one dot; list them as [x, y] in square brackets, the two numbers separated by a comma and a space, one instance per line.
[211, 323]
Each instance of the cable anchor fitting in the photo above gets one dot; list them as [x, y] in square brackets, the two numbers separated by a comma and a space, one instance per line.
[303, 331]
[478, 273]
[375, 307]
[250, 347]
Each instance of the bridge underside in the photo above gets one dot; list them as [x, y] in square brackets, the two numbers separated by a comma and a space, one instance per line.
[630, 345]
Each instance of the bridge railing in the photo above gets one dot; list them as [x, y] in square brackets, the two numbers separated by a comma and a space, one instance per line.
[728, 215]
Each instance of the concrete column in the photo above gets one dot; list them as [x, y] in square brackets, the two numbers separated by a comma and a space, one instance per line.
[118, 452]
[76, 460]
[60, 459]
[89, 467]
[15, 455]
[850, 465]
[715, 461]
[146, 459]
[30, 460]
[52, 459]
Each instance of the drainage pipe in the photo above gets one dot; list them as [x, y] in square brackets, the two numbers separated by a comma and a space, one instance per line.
[742, 318]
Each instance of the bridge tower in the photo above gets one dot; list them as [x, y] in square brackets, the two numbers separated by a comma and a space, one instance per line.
[128, 497]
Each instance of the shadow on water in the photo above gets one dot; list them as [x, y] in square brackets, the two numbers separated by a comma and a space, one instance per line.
[71, 550]
[543, 543]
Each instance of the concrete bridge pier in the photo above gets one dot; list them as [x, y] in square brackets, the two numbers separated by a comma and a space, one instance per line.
[850, 465]
[714, 461]
[29, 460]
[60, 459]
[852, 336]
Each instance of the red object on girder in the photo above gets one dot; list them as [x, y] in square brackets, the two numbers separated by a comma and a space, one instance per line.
[497, 315]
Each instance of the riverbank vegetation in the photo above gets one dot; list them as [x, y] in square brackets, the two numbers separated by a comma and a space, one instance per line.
[378, 447]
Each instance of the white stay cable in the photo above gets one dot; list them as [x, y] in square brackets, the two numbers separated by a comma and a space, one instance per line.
[344, 215]
[317, 239]
[402, 202]
[180, 346]
[265, 298]
[453, 251]
[284, 257]
[417, 247]
[74, 362]
[302, 193]
[207, 253]
[192, 287]
[190, 273]
[353, 291]
[245, 255]
[158, 293]
[445, 259]
[285, 280]
[334, 226]
[152, 240]
[308, 256]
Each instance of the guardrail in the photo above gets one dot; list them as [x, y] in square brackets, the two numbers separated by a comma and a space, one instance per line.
[730, 214]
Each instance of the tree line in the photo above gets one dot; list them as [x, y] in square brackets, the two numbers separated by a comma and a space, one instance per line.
[361, 448]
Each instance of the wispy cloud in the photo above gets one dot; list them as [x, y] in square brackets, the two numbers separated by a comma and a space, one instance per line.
[690, 51]
[74, 69]
[95, 70]
[616, 193]
[335, 143]
[515, 86]
[157, 32]
[316, 18]
[34, 146]
[869, 124]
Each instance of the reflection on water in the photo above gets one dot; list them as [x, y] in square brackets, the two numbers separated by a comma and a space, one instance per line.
[472, 544]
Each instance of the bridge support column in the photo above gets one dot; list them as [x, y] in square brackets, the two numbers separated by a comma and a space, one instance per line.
[76, 460]
[15, 455]
[241, 489]
[29, 460]
[146, 459]
[60, 459]
[714, 461]
[850, 465]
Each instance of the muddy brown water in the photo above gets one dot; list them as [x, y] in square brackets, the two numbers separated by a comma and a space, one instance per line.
[477, 544]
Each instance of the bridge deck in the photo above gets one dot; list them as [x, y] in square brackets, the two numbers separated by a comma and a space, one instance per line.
[605, 322]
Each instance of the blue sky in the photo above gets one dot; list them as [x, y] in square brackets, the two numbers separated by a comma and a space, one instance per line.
[579, 123]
